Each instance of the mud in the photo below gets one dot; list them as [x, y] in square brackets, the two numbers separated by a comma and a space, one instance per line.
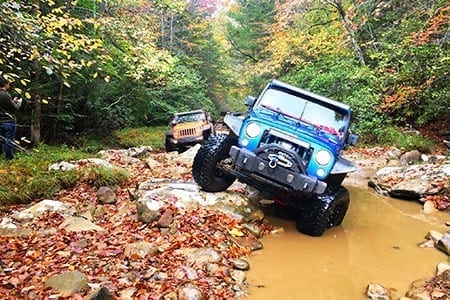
[377, 243]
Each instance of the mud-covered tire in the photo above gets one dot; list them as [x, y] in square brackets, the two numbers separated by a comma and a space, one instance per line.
[204, 168]
[323, 211]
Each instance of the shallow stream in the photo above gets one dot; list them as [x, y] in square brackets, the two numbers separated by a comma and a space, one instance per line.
[377, 243]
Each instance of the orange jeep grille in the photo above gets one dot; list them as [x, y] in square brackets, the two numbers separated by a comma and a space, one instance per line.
[187, 132]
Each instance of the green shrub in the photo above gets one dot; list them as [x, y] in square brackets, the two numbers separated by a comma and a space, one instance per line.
[143, 136]
[27, 177]
[103, 176]
[406, 141]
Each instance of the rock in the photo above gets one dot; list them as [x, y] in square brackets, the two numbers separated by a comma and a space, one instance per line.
[148, 210]
[252, 244]
[106, 195]
[410, 157]
[166, 219]
[240, 264]
[139, 152]
[238, 276]
[418, 291]
[62, 166]
[190, 293]
[40, 208]
[444, 243]
[78, 224]
[97, 162]
[253, 229]
[365, 172]
[68, 283]
[101, 294]
[431, 239]
[200, 256]
[127, 294]
[428, 208]
[140, 249]
[442, 267]
[377, 292]
[277, 231]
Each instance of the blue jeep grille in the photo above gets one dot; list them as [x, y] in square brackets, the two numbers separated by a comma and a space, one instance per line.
[288, 142]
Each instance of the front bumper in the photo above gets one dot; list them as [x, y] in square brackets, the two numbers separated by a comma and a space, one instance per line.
[258, 168]
[187, 140]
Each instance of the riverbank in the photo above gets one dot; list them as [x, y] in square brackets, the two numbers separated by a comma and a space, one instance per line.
[102, 240]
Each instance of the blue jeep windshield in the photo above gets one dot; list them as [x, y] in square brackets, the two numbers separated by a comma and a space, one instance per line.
[307, 112]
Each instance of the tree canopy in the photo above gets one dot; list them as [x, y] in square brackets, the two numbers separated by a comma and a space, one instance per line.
[96, 66]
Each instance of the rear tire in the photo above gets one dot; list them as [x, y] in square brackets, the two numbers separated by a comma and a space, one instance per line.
[206, 174]
[323, 211]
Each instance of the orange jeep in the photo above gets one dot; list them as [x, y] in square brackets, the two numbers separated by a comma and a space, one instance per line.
[187, 129]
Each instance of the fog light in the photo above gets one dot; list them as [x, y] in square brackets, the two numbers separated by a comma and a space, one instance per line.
[261, 166]
[244, 142]
[289, 178]
[320, 172]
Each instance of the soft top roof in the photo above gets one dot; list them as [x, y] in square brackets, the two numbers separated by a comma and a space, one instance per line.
[309, 95]
[189, 112]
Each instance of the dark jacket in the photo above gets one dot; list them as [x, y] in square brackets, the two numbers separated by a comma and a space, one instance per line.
[7, 107]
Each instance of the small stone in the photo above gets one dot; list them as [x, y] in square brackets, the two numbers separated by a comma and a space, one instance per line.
[277, 231]
[240, 264]
[377, 292]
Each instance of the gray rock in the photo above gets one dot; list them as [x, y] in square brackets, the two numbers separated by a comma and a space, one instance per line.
[62, 166]
[190, 293]
[148, 210]
[377, 292]
[200, 256]
[41, 207]
[141, 249]
[101, 294]
[78, 224]
[410, 157]
[240, 264]
[68, 283]
[253, 229]
[106, 195]
[444, 243]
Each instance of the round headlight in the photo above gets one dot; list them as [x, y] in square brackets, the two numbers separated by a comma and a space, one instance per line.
[323, 157]
[252, 130]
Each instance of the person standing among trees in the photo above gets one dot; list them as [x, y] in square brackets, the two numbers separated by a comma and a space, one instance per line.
[8, 107]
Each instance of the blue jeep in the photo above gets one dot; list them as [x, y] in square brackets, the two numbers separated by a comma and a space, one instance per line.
[289, 145]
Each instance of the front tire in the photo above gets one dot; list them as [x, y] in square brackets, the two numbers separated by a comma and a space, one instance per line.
[205, 171]
[169, 146]
[323, 211]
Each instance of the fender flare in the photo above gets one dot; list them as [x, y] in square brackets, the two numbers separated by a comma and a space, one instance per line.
[234, 122]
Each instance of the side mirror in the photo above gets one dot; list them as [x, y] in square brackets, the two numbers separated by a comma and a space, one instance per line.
[352, 139]
[249, 101]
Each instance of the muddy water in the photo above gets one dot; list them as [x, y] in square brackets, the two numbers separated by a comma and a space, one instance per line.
[377, 243]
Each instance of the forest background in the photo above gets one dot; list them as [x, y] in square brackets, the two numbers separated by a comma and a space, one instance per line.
[91, 67]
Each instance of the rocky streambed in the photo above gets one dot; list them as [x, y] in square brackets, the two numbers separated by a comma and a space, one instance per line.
[160, 237]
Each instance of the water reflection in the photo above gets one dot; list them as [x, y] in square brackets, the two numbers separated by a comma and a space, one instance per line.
[377, 243]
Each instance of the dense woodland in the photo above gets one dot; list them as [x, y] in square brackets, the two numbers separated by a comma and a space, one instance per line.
[94, 66]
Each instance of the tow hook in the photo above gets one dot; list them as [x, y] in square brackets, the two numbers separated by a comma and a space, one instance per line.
[273, 161]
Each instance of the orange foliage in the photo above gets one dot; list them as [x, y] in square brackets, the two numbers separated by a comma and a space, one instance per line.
[438, 25]
[403, 95]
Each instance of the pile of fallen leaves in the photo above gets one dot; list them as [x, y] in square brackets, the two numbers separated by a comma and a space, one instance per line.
[44, 248]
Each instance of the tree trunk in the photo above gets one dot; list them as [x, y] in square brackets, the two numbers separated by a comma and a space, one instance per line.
[35, 130]
[348, 26]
